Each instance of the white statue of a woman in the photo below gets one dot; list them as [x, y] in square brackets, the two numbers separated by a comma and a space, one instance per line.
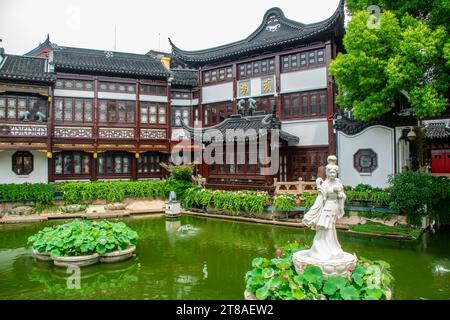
[328, 207]
[326, 252]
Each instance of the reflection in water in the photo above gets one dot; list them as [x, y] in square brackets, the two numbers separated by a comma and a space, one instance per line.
[172, 225]
[442, 267]
[200, 258]
[94, 283]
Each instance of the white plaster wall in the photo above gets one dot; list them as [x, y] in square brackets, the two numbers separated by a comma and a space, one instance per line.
[73, 93]
[311, 132]
[217, 93]
[117, 96]
[304, 80]
[378, 138]
[184, 102]
[39, 174]
[149, 98]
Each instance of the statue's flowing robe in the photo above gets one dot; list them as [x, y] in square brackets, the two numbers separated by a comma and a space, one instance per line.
[322, 217]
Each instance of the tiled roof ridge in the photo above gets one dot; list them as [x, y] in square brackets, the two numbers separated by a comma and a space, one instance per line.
[121, 54]
[249, 46]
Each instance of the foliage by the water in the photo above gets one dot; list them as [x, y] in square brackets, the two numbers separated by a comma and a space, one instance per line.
[80, 238]
[379, 228]
[233, 202]
[41, 193]
[112, 191]
[277, 279]
[419, 194]
[284, 202]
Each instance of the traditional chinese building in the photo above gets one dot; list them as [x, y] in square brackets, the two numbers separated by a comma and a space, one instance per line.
[81, 114]
[282, 64]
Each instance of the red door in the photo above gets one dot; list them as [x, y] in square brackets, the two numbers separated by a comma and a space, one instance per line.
[447, 161]
[438, 163]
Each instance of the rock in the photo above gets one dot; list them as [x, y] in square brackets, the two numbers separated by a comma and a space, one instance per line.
[23, 211]
[115, 206]
[73, 208]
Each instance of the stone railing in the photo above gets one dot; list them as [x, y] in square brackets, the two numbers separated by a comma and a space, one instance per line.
[294, 187]
[199, 181]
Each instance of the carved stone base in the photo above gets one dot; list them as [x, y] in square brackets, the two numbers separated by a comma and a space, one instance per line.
[336, 267]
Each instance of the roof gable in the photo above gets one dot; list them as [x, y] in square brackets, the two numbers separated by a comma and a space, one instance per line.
[274, 31]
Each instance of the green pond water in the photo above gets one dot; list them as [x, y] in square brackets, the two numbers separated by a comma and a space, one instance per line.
[208, 262]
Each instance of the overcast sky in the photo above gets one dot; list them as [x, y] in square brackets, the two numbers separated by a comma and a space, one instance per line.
[191, 24]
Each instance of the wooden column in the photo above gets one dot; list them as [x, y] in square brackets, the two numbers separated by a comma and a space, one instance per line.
[203, 168]
[137, 131]
[50, 129]
[235, 76]
[278, 85]
[169, 114]
[94, 167]
[329, 53]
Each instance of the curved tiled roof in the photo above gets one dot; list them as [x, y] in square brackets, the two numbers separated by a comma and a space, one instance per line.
[236, 122]
[20, 68]
[185, 77]
[110, 62]
[351, 126]
[437, 131]
[275, 30]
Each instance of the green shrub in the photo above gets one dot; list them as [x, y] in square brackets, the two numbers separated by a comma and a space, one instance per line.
[309, 199]
[362, 187]
[419, 194]
[182, 173]
[232, 202]
[112, 191]
[285, 202]
[277, 279]
[78, 238]
[41, 193]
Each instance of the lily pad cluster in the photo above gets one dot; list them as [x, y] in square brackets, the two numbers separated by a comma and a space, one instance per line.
[81, 238]
[276, 279]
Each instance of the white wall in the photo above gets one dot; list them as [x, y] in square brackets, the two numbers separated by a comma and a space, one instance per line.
[217, 93]
[39, 173]
[312, 132]
[378, 138]
[73, 93]
[304, 80]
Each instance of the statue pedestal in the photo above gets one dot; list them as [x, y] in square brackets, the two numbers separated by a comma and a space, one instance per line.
[334, 267]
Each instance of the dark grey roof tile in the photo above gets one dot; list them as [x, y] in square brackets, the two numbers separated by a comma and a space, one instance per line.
[20, 68]
[110, 62]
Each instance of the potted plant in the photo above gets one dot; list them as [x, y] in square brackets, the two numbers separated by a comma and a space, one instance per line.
[84, 243]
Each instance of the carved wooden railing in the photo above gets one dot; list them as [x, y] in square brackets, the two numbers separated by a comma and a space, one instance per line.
[294, 187]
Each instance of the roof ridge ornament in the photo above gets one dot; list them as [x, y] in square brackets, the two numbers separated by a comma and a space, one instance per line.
[273, 23]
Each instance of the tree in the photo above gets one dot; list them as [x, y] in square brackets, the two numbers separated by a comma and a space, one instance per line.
[407, 52]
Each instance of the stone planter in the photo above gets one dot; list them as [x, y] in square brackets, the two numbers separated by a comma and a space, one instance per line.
[41, 256]
[117, 256]
[81, 261]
